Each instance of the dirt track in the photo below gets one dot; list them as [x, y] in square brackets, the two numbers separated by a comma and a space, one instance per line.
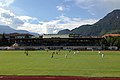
[52, 78]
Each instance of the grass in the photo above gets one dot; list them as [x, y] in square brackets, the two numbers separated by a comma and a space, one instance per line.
[85, 63]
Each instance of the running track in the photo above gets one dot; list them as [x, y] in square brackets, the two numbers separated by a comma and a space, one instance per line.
[52, 78]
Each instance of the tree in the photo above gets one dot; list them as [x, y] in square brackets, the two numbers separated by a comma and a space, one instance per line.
[112, 41]
[4, 40]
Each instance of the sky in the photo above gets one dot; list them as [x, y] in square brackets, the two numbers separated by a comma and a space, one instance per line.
[51, 16]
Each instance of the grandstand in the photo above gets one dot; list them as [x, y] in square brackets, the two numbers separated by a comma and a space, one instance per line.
[67, 41]
[55, 41]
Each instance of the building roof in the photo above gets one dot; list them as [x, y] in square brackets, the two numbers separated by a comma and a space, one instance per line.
[112, 35]
[17, 34]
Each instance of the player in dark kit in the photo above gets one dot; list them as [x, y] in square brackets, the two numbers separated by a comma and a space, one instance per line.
[52, 54]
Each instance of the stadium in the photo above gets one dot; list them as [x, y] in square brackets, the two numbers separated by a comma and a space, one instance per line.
[68, 56]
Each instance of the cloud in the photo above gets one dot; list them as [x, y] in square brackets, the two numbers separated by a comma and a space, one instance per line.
[60, 8]
[53, 26]
[85, 4]
[16, 21]
[5, 3]
[6, 15]
[63, 7]
[92, 3]
[32, 24]
[26, 18]
[23, 22]
[98, 6]
[110, 4]
[71, 23]
[37, 28]
[9, 18]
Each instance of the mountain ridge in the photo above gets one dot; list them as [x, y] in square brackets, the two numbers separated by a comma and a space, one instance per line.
[7, 30]
[108, 24]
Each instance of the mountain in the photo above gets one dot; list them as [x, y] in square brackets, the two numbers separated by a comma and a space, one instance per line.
[6, 29]
[65, 31]
[109, 24]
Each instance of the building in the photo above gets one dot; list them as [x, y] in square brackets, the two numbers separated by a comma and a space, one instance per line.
[56, 41]
[8, 39]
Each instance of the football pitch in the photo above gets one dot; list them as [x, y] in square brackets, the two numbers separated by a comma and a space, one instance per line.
[40, 63]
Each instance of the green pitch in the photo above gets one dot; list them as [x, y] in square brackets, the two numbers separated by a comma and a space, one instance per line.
[84, 63]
